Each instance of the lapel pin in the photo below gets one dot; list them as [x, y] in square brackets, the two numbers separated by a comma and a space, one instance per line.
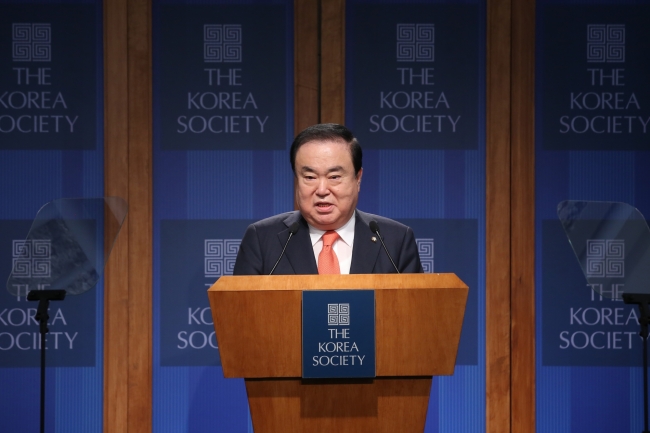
[374, 239]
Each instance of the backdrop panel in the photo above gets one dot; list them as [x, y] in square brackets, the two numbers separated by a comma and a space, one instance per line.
[51, 146]
[223, 110]
[415, 98]
[592, 114]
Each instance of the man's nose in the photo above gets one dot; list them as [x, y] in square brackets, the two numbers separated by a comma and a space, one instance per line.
[323, 187]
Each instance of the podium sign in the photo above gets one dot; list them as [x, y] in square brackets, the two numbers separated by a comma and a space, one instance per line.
[338, 334]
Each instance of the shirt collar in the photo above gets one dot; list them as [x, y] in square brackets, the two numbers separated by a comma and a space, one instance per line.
[346, 232]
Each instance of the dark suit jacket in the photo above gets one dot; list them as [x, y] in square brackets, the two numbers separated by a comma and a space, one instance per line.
[263, 242]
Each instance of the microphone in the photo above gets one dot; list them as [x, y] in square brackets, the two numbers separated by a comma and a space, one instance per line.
[374, 227]
[293, 228]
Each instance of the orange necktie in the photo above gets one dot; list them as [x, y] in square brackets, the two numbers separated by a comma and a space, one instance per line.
[328, 263]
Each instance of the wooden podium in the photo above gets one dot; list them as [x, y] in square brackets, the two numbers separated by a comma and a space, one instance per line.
[258, 323]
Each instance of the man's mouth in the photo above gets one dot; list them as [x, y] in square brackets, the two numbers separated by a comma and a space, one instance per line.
[323, 205]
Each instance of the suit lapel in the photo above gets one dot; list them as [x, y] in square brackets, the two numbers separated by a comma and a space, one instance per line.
[365, 251]
[300, 252]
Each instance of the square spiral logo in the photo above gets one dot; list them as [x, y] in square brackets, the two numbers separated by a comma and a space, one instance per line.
[222, 43]
[425, 249]
[220, 256]
[605, 258]
[415, 42]
[606, 43]
[32, 258]
[338, 314]
[32, 42]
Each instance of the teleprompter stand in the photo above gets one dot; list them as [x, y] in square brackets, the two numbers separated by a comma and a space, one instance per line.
[44, 297]
[642, 300]
[611, 241]
[70, 241]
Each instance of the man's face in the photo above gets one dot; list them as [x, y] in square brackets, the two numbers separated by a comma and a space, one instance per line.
[328, 190]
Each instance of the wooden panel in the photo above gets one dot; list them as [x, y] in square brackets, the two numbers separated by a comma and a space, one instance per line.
[523, 217]
[418, 331]
[140, 230]
[116, 293]
[127, 309]
[402, 404]
[396, 281]
[418, 322]
[332, 61]
[498, 217]
[373, 406]
[252, 326]
[274, 405]
[306, 110]
[306, 64]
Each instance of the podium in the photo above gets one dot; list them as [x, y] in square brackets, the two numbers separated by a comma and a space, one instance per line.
[418, 320]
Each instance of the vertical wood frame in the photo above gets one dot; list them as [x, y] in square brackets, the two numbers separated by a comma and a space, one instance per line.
[128, 174]
[116, 182]
[306, 64]
[523, 217]
[141, 209]
[510, 217]
[498, 181]
[332, 109]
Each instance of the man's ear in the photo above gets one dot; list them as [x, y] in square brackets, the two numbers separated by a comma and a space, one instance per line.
[359, 178]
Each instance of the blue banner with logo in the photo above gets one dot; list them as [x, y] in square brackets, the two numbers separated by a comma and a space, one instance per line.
[223, 124]
[338, 334]
[72, 330]
[425, 96]
[51, 146]
[218, 91]
[415, 99]
[45, 103]
[599, 99]
[592, 112]
[193, 255]
[583, 328]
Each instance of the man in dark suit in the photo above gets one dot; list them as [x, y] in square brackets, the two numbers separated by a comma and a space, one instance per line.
[327, 162]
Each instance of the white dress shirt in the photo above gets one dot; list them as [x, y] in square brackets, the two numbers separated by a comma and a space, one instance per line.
[342, 247]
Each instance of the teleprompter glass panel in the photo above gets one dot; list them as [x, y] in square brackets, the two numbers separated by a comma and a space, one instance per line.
[611, 241]
[66, 247]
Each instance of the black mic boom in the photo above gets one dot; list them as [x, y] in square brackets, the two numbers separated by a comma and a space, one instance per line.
[374, 227]
[292, 231]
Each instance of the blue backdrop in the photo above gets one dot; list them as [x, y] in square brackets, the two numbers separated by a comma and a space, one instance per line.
[51, 146]
[211, 180]
[415, 98]
[592, 113]
[223, 121]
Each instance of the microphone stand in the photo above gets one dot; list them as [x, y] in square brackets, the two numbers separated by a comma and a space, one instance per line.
[374, 227]
[44, 297]
[642, 300]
